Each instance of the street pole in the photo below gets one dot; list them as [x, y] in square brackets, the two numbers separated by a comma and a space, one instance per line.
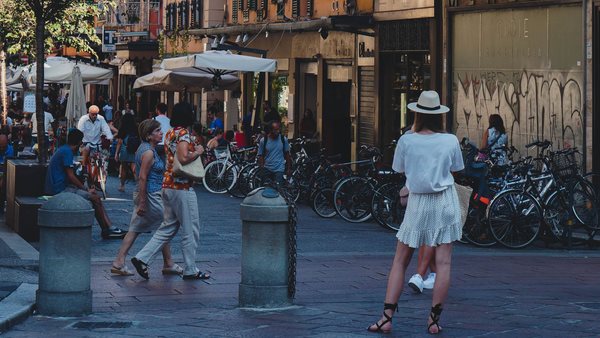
[3, 85]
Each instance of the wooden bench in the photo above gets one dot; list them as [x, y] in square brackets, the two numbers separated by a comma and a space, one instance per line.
[26, 217]
[22, 178]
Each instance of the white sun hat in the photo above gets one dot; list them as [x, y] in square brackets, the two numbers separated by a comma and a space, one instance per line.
[429, 103]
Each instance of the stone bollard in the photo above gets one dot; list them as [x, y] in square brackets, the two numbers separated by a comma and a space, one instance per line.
[65, 256]
[265, 259]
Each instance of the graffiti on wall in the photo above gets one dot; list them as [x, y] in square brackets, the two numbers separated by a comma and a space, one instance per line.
[535, 105]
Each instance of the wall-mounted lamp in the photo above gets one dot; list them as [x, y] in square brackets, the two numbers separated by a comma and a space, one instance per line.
[238, 39]
[324, 33]
[245, 38]
[223, 39]
[215, 42]
[266, 34]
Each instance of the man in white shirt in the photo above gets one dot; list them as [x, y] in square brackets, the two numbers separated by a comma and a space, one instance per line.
[93, 126]
[48, 119]
[161, 117]
[165, 125]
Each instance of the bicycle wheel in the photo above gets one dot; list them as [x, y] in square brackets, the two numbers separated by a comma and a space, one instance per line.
[244, 180]
[322, 203]
[584, 203]
[352, 199]
[292, 189]
[217, 178]
[556, 215]
[476, 229]
[234, 190]
[260, 177]
[515, 218]
[386, 207]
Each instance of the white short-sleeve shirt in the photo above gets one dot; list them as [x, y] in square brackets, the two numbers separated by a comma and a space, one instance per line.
[427, 161]
[48, 119]
[165, 125]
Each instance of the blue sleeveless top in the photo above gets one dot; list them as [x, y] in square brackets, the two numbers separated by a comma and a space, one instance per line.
[155, 176]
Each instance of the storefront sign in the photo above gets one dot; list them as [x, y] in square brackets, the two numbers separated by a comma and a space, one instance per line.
[366, 50]
[109, 40]
[401, 5]
[339, 73]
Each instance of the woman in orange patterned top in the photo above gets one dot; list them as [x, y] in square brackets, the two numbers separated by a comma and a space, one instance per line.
[179, 200]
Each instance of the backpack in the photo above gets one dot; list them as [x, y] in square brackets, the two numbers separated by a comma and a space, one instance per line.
[133, 143]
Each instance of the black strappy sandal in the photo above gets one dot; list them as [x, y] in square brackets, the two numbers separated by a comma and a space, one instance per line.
[388, 319]
[435, 314]
[140, 267]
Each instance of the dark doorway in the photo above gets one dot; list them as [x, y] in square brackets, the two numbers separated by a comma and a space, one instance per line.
[596, 89]
[337, 129]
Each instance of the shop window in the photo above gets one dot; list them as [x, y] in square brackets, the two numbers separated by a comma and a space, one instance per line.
[410, 75]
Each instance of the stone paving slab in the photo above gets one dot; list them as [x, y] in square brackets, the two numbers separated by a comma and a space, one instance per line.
[342, 275]
[507, 296]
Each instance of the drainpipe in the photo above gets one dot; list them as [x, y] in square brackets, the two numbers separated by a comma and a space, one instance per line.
[585, 77]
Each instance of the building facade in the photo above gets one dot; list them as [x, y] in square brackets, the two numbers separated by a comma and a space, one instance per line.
[528, 61]
[316, 45]
[407, 62]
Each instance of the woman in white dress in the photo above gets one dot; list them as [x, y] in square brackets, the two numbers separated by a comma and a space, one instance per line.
[427, 157]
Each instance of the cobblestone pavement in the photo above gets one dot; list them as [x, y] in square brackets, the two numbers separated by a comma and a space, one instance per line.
[342, 271]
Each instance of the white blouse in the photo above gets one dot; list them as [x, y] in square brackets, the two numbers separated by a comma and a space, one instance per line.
[427, 161]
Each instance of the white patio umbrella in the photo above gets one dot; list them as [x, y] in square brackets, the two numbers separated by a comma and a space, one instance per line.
[13, 75]
[218, 63]
[170, 81]
[76, 102]
[60, 70]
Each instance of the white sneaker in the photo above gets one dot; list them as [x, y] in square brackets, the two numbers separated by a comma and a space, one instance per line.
[416, 283]
[430, 281]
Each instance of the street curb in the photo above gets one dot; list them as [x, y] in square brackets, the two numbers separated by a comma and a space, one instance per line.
[17, 306]
[17, 244]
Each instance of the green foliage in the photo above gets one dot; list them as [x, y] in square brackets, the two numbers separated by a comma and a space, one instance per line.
[67, 23]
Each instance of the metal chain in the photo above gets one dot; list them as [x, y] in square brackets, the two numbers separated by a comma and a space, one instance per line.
[292, 253]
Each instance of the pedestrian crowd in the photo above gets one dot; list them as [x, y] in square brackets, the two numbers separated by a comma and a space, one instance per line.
[165, 203]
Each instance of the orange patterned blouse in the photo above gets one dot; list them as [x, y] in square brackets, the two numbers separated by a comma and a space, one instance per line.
[172, 139]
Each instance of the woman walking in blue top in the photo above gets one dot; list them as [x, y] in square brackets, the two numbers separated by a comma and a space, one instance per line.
[433, 217]
[148, 207]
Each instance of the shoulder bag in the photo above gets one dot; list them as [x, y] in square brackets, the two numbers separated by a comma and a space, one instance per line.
[484, 153]
[464, 198]
[193, 170]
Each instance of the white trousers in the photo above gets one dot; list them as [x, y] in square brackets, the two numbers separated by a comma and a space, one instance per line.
[180, 211]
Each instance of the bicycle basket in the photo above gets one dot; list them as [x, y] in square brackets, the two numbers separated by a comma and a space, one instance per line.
[221, 153]
[564, 164]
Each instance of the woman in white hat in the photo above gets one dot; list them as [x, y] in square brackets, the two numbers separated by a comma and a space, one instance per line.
[427, 157]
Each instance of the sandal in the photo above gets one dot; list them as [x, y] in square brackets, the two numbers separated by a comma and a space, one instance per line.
[388, 319]
[173, 270]
[436, 311]
[198, 275]
[122, 271]
[140, 267]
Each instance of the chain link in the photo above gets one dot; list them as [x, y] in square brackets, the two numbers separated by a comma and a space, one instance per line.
[292, 253]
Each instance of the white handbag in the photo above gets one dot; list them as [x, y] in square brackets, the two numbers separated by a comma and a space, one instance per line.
[464, 197]
[193, 170]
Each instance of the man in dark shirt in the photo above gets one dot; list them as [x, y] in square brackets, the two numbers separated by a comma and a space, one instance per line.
[270, 114]
[61, 177]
